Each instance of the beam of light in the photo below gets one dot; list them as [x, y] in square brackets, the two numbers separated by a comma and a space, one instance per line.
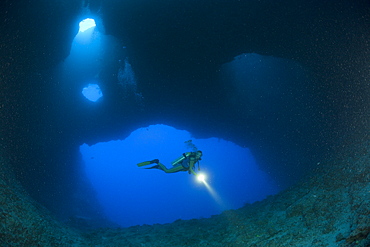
[92, 92]
[202, 178]
[86, 24]
[213, 193]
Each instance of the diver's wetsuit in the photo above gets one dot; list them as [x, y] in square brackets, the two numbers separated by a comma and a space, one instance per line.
[185, 165]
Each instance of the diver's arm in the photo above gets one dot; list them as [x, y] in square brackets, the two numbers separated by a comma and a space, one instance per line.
[191, 166]
[193, 172]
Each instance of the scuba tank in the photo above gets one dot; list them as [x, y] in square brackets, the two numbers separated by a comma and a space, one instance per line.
[180, 159]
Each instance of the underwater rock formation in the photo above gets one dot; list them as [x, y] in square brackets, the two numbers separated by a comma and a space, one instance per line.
[174, 48]
[24, 222]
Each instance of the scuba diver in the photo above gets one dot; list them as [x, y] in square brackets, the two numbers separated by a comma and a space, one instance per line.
[184, 163]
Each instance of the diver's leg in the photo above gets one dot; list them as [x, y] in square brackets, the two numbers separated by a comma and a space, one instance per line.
[171, 170]
[160, 166]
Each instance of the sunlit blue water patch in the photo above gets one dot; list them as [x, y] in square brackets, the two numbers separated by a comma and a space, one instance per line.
[132, 195]
[92, 92]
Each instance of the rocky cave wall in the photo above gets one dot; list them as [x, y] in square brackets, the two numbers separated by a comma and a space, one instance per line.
[179, 45]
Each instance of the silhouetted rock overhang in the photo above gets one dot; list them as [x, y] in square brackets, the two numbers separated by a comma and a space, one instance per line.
[179, 45]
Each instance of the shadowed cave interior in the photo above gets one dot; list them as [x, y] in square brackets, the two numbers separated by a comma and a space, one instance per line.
[276, 95]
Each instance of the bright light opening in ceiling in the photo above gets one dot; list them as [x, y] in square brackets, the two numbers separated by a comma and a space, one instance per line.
[92, 92]
[87, 24]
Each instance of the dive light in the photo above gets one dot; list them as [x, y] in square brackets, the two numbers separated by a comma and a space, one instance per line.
[201, 178]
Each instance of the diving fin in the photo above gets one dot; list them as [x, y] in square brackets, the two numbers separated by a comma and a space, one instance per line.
[145, 163]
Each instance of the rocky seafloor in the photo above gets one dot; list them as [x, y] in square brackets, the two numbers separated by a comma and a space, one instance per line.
[329, 208]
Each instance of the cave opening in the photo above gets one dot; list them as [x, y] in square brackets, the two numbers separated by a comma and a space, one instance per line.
[86, 24]
[92, 92]
[132, 195]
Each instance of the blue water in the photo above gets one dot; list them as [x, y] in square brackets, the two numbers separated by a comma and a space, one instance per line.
[132, 195]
